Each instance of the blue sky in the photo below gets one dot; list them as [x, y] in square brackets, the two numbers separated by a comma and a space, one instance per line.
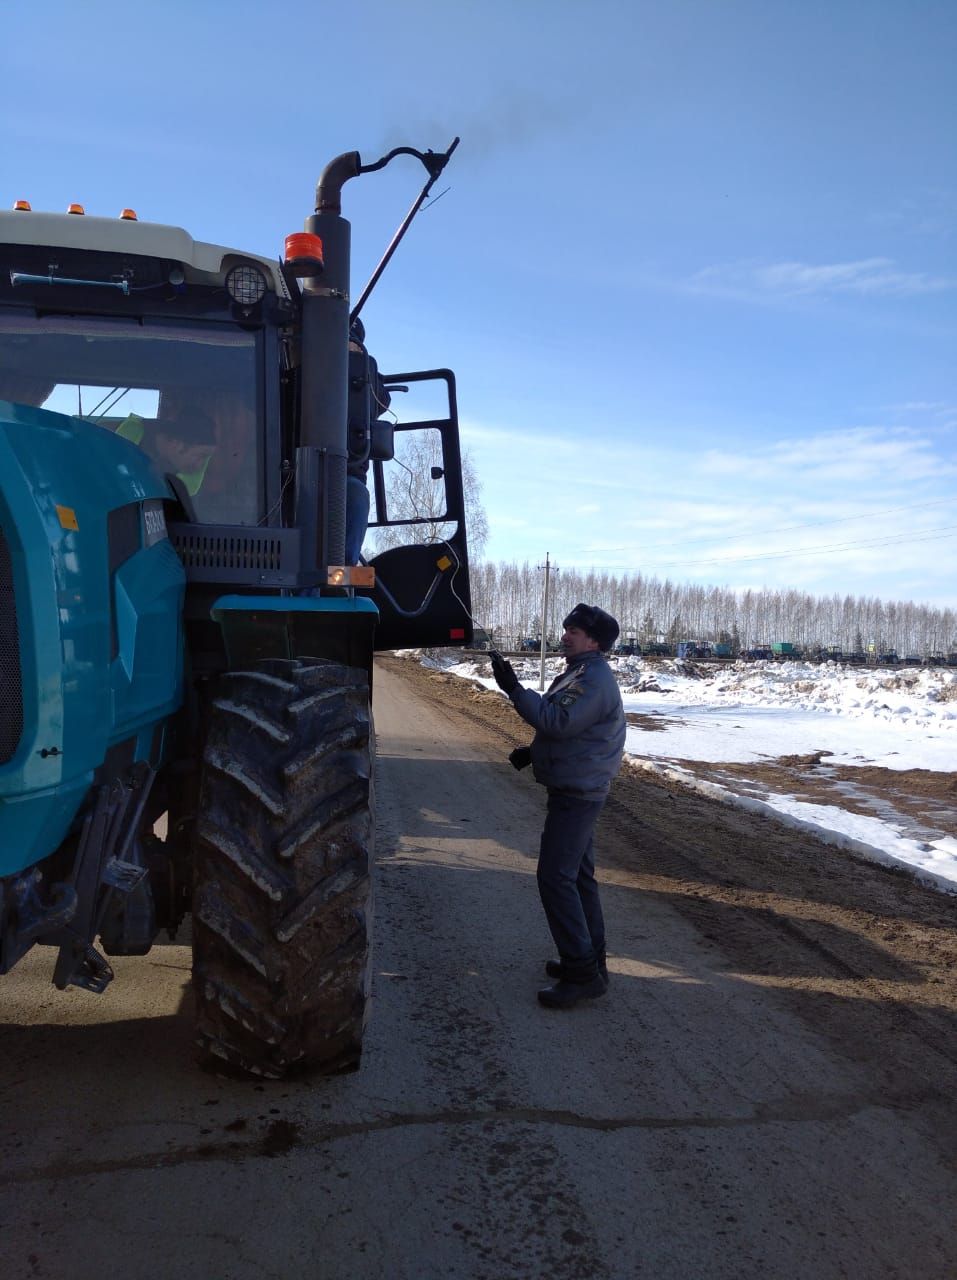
[695, 269]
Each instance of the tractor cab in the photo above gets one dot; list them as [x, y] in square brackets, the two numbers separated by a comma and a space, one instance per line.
[199, 355]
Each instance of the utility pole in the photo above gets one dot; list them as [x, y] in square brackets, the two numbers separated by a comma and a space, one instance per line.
[541, 675]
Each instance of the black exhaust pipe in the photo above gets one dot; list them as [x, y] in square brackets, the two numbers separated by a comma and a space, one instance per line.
[322, 453]
[324, 380]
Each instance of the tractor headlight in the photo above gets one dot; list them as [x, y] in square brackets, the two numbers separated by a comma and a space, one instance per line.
[246, 285]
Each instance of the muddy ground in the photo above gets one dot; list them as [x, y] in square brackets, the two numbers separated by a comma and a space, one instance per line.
[783, 904]
[767, 1089]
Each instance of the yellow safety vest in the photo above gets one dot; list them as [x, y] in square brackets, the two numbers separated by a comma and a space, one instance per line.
[133, 428]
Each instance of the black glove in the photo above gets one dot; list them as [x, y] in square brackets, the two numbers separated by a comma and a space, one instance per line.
[505, 677]
[521, 758]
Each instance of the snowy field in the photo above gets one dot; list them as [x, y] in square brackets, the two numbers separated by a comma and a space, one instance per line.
[689, 720]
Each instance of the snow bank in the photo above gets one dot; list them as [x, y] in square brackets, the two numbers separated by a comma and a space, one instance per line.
[691, 713]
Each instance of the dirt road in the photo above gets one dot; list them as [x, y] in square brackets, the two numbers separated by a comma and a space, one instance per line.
[767, 1089]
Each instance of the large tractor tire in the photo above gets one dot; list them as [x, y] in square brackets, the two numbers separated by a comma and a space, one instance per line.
[282, 887]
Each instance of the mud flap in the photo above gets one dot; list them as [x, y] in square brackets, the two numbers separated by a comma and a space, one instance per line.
[259, 627]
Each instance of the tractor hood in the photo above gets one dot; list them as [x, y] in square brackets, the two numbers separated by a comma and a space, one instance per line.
[91, 597]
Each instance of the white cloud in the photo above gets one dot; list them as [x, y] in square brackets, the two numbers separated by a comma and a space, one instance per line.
[858, 455]
[929, 212]
[868, 277]
[920, 406]
[538, 446]
[868, 510]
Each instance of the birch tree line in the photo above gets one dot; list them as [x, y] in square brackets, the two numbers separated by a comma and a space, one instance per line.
[507, 600]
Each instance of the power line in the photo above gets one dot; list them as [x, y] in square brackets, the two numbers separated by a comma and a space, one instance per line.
[930, 535]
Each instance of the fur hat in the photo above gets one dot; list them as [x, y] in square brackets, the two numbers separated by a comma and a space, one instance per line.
[595, 622]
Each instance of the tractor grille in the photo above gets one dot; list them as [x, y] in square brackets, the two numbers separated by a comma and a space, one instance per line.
[11, 687]
[253, 557]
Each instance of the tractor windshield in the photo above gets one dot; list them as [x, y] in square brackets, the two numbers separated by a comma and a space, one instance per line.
[186, 394]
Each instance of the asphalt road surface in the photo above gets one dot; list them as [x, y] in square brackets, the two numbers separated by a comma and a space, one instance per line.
[767, 1090]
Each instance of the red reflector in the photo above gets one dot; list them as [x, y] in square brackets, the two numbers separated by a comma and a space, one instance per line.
[457, 633]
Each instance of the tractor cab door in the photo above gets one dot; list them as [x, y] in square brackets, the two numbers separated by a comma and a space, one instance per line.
[416, 538]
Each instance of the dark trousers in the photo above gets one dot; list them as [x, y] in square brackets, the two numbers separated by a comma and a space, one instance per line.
[566, 882]
[357, 517]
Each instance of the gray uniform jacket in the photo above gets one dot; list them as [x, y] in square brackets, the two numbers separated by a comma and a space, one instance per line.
[579, 728]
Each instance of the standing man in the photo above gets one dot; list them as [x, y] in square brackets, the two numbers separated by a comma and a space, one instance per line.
[579, 739]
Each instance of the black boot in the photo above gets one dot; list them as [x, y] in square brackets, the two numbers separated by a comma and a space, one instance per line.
[563, 995]
[555, 968]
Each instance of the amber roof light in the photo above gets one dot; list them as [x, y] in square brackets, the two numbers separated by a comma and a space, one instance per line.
[304, 253]
[129, 215]
[22, 205]
[75, 208]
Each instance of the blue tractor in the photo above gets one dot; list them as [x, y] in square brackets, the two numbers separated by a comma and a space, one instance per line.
[185, 647]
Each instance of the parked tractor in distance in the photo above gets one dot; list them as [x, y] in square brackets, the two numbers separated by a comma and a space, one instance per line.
[180, 631]
[691, 650]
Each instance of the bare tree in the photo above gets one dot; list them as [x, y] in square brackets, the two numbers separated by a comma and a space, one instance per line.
[415, 490]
